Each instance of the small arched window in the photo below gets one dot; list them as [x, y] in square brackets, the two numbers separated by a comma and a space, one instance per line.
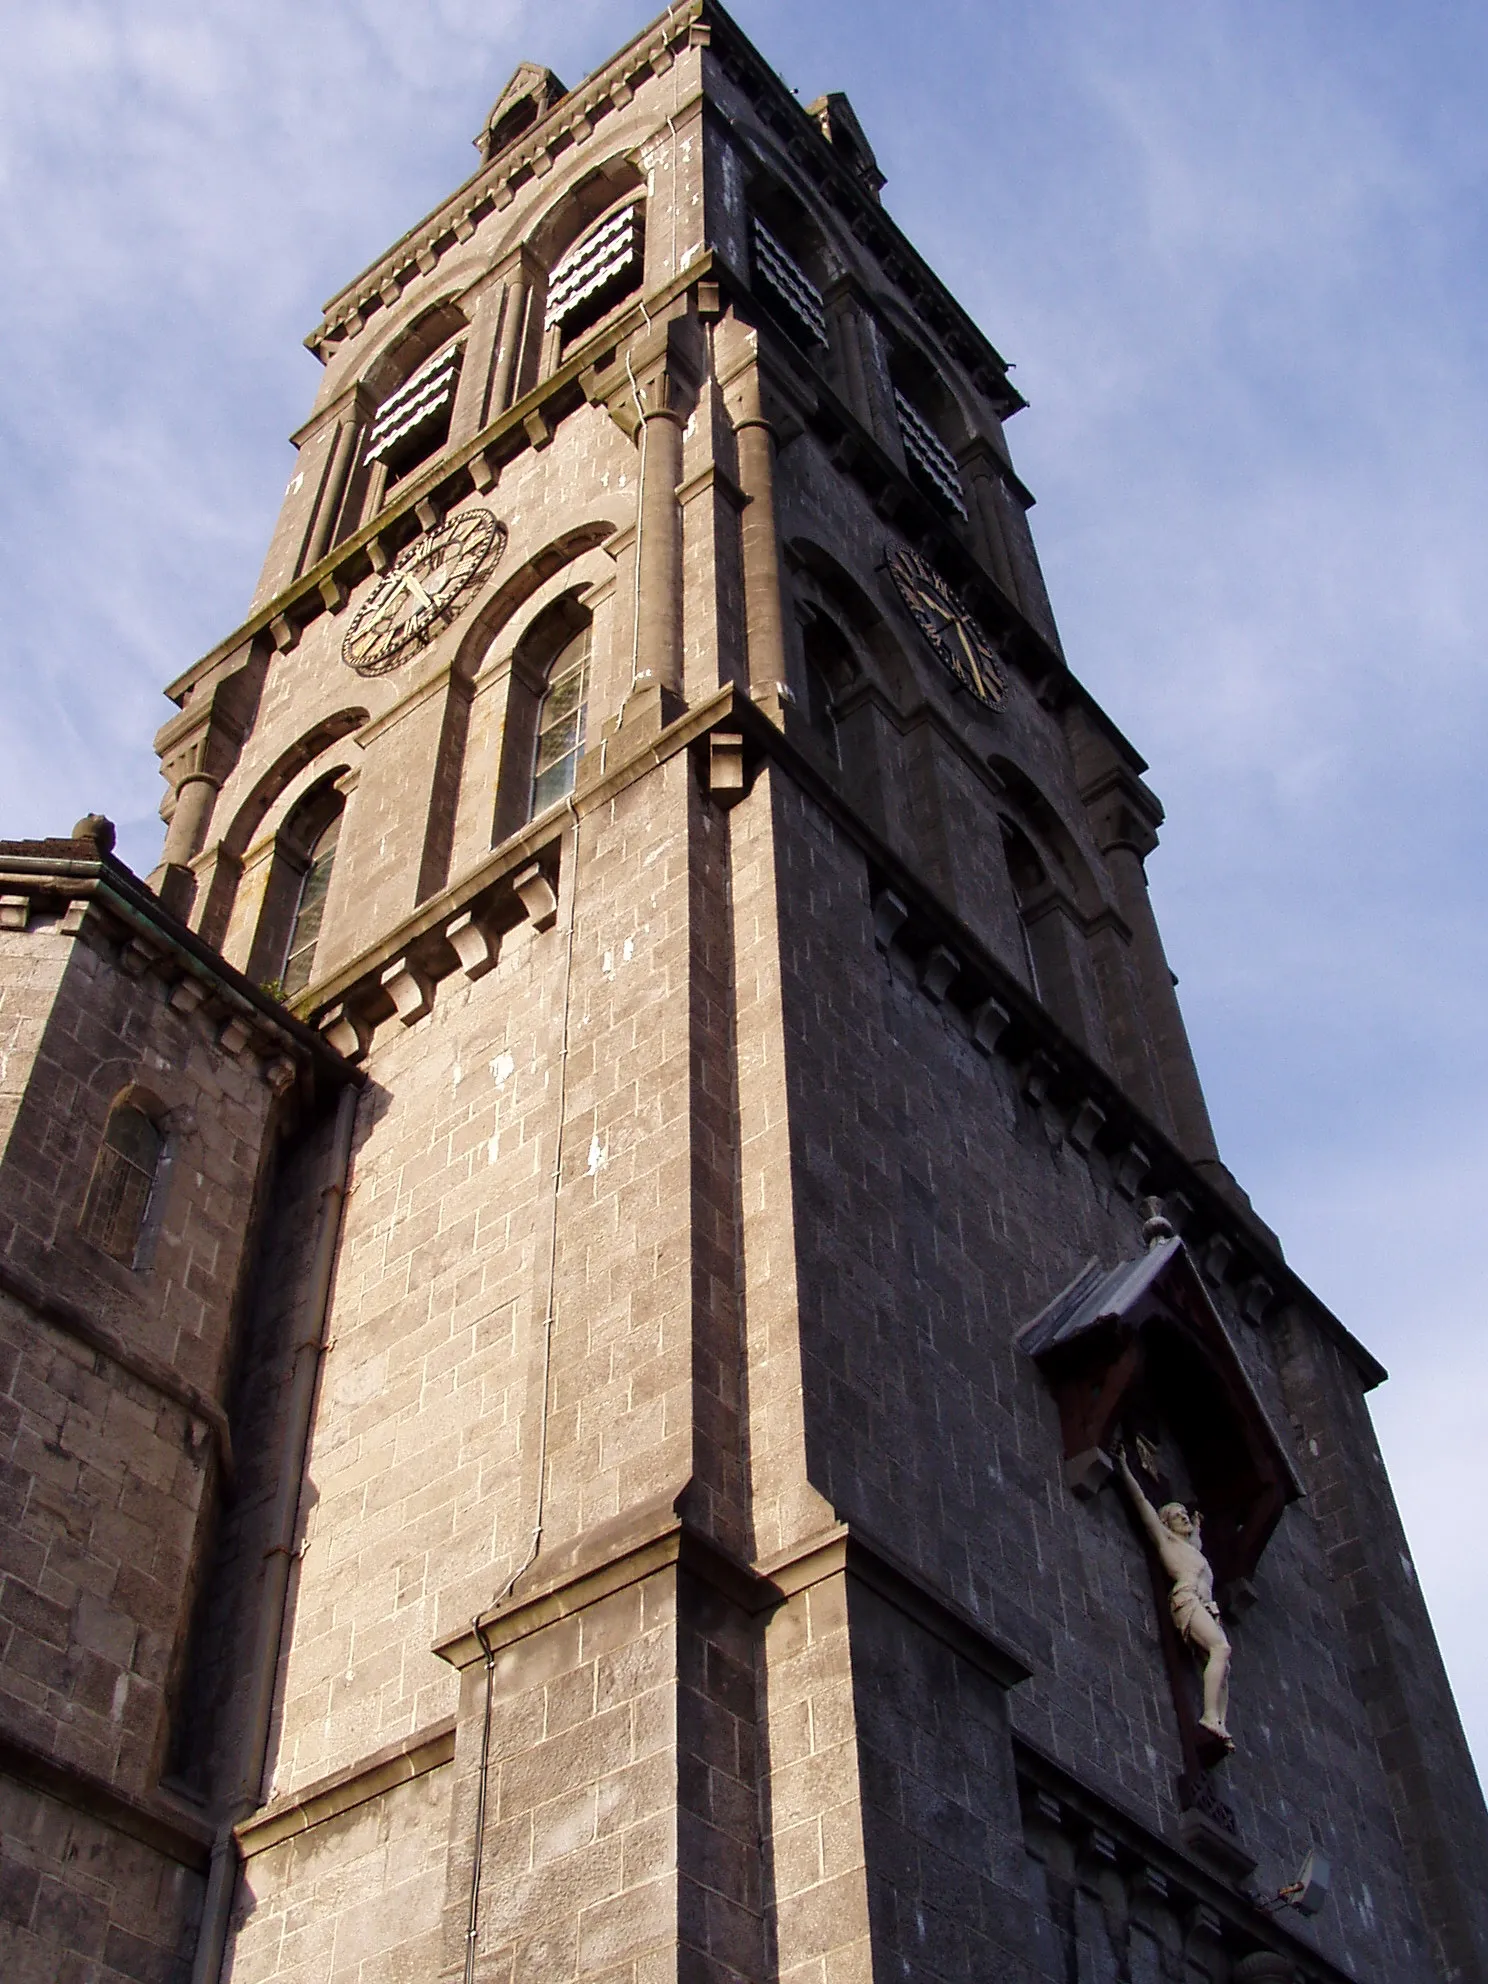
[309, 911]
[123, 1183]
[561, 721]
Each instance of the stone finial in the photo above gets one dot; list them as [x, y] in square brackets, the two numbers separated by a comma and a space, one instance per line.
[1156, 1226]
[98, 828]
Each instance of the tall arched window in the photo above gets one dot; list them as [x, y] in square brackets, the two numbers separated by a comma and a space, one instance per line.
[123, 1182]
[830, 670]
[309, 910]
[561, 720]
[1030, 892]
[1044, 914]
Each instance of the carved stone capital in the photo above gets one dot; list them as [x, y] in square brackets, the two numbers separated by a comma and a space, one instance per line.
[654, 377]
[1123, 812]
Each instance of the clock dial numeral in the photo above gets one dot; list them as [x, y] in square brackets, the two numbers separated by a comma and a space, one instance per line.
[953, 633]
[417, 595]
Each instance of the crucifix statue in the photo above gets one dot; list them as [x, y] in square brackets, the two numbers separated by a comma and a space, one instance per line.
[1177, 1540]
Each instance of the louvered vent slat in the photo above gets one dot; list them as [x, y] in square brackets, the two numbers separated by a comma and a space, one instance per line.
[929, 453]
[417, 401]
[790, 282]
[605, 253]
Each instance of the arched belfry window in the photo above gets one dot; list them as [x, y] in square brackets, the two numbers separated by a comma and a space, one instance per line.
[788, 265]
[412, 423]
[601, 269]
[562, 718]
[123, 1182]
[309, 911]
[928, 419]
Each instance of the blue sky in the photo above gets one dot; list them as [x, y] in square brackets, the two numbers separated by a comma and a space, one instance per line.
[1236, 252]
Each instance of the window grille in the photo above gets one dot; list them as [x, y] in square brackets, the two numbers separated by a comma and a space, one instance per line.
[790, 283]
[418, 405]
[123, 1179]
[561, 723]
[595, 263]
[304, 935]
[928, 453]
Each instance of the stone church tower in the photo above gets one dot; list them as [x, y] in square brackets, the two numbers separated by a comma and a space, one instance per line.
[610, 1278]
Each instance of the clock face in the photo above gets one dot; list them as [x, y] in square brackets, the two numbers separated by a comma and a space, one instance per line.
[952, 630]
[416, 596]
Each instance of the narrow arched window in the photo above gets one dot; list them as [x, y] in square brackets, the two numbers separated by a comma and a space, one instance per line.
[123, 1181]
[1030, 882]
[304, 929]
[561, 719]
[1045, 923]
[830, 670]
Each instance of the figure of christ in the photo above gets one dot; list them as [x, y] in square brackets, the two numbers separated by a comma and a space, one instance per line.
[1176, 1538]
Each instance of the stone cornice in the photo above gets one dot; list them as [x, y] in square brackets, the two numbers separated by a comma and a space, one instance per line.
[1055, 1070]
[161, 944]
[344, 1790]
[537, 842]
[1056, 1073]
[1069, 1802]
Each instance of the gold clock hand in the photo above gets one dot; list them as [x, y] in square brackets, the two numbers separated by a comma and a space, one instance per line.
[971, 657]
[417, 590]
[386, 604]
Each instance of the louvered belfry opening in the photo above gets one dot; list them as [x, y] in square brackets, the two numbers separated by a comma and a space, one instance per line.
[413, 423]
[787, 283]
[926, 452]
[601, 267]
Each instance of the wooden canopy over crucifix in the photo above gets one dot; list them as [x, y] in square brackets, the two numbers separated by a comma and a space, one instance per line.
[1139, 1359]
